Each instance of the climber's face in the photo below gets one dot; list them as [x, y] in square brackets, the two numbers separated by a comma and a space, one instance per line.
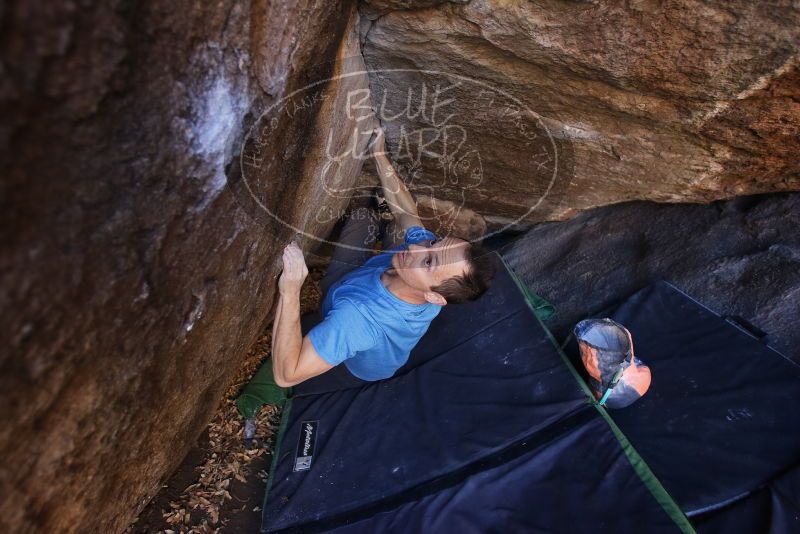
[430, 263]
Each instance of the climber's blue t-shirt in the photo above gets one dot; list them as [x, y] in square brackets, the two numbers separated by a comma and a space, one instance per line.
[365, 325]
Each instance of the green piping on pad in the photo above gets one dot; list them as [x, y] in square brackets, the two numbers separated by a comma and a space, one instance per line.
[543, 309]
[287, 409]
[641, 468]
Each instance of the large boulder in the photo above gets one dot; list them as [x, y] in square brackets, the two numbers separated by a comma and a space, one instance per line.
[155, 158]
[530, 111]
[139, 252]
[739, 257]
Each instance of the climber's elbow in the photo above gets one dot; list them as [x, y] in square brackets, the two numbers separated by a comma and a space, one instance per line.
[280, 376]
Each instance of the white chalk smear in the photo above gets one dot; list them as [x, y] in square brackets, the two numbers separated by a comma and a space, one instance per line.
[217, 113]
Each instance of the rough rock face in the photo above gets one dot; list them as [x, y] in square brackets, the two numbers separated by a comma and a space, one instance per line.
[545, 108]
[133, 278]
[156, 157]
[739, 258]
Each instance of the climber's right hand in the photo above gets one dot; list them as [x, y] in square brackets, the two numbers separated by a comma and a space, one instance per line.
[294, 270]
[378, 145]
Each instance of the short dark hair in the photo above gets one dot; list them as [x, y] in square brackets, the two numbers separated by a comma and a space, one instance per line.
[475, 282]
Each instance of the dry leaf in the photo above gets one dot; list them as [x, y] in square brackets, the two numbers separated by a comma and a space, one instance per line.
[225, 455]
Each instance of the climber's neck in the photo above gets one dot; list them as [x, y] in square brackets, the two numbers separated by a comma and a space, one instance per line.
[400, 289]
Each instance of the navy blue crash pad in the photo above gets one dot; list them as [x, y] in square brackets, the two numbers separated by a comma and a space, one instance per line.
[485, 398]
[488, 427]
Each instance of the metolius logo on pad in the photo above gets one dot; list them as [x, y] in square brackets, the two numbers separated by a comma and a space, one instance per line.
[305, 445]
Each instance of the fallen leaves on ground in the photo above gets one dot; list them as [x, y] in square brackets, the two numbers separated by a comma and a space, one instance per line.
[199, 509]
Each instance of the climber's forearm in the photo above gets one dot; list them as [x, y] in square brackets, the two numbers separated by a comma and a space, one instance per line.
[397, 194]
[287, 339]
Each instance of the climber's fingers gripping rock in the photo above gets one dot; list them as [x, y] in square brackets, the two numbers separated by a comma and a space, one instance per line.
[378, 143]
[294, 270]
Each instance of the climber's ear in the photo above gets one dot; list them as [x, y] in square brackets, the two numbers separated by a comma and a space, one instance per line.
[435, 298]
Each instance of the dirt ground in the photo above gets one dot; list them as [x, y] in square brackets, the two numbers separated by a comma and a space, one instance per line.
[219, 486]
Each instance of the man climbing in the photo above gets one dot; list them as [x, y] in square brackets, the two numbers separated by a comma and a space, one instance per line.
[375, 308]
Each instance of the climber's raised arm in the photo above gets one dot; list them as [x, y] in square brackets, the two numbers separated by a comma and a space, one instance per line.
[395, 191]
[293, 357]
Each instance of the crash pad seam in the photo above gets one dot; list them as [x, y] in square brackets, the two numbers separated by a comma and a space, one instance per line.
[531, 442]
